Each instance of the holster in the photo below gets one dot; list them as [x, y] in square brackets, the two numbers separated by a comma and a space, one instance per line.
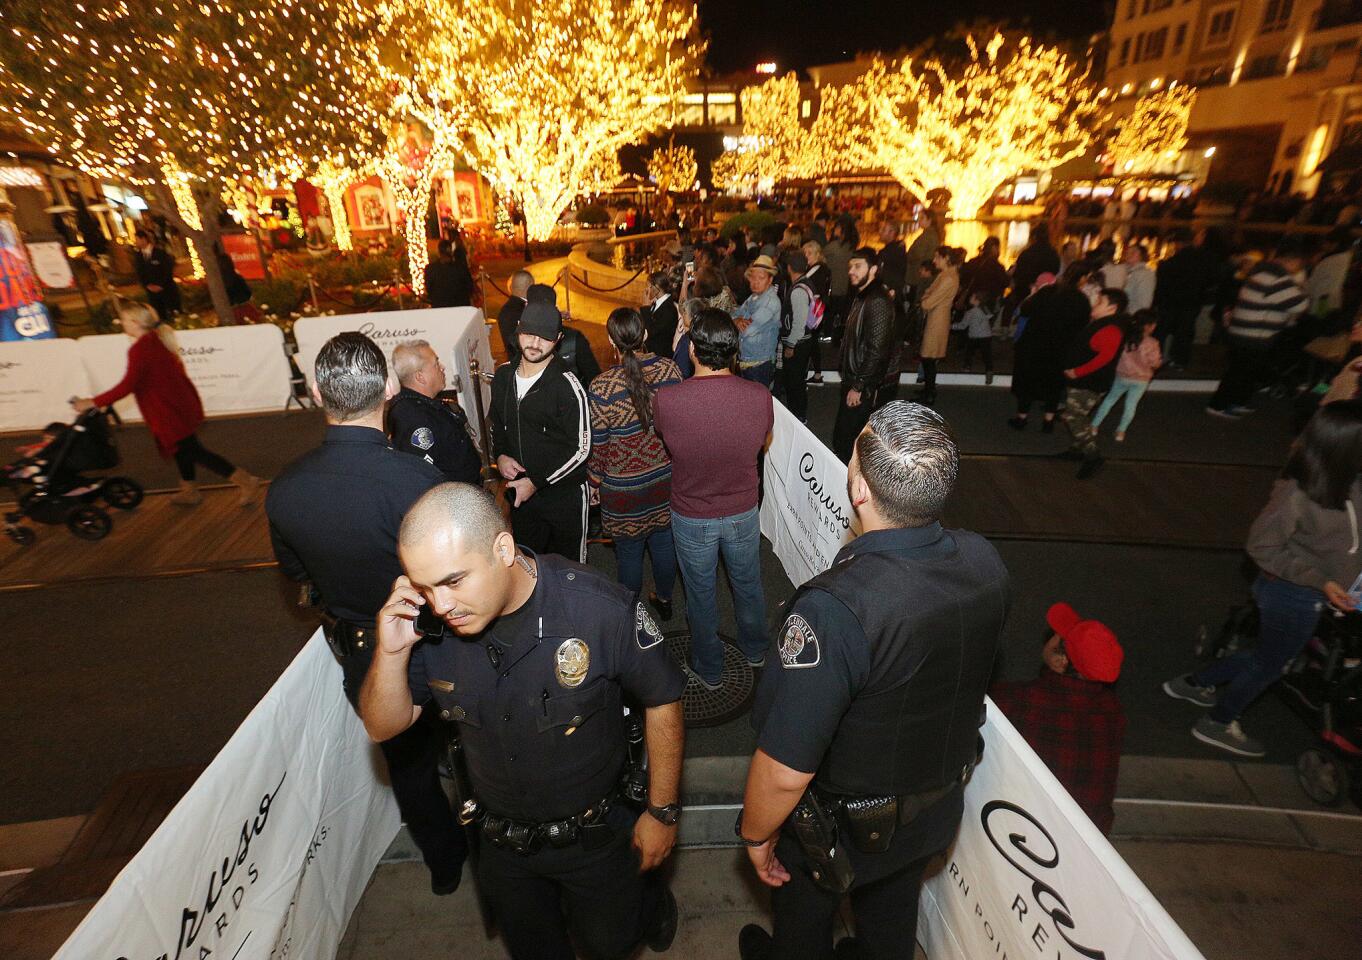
[816, 832]
[871, 821]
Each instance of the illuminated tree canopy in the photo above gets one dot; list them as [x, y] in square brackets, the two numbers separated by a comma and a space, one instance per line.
[540, 96]
[1011, 106]
[673, 168]
[182, 96]
[1154, 133]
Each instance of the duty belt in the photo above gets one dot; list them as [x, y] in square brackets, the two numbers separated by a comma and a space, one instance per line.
[529, 836]
[870, 821]
[348, 637]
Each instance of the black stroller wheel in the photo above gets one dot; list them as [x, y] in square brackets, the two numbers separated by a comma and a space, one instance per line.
[89, 522]
[23, 536]
[122, 493]
[1323, 778]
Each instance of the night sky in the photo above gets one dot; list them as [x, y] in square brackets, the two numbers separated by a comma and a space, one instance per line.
[800, 33]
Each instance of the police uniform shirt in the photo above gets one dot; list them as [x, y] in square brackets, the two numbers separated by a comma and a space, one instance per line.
[538, 695]
[825, 659]
[334, 516]
[431, 430]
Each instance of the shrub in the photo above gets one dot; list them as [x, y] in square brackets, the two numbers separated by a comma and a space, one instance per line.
[593, 214]
[754, 220]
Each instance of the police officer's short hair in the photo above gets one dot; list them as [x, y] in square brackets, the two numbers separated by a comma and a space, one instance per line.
[456, 507]
[521, 281]
[408, 358]
[909, 460]
[351, 376]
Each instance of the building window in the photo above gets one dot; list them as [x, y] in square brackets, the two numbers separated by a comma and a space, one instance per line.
[1179, 37]
[1157, 5]
[1262, 67]
[1154, 43]
[1277, 16]
[1125, 52]
[1220, 26]
[1130, 10]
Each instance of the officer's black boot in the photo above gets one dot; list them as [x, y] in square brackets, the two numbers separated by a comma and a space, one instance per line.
[754, 943]
[662, 929]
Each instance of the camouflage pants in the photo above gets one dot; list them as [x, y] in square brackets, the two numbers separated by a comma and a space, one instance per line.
[1078, 408]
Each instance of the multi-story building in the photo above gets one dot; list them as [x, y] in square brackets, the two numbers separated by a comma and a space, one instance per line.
[1279, 81]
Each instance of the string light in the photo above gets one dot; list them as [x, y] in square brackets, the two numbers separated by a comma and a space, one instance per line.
[409, 169]
[1155, 132]
[183, 191]
[968, 129]
[672, 168]
[539, 95]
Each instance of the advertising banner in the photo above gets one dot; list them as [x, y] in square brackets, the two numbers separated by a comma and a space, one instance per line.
[268, 853]
[1029, 875]
[37, 378]
[245, 254]
[805, 513]
[240, 369]
[22, 314]
[50, 264]
[457, 335]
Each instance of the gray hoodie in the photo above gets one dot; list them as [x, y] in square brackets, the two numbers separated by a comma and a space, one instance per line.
[1296, 539]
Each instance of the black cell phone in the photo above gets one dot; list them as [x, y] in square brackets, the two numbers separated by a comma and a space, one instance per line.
[428, 623]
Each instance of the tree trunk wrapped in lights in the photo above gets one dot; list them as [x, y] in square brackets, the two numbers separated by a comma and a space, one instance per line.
[181, 96]
[672, 168]
[409, 169]
[1152, 136]
[968, 128]
[538, 94]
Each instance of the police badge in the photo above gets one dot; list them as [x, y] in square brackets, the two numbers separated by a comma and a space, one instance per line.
[422, 438]
[798, 644]
[571, 661]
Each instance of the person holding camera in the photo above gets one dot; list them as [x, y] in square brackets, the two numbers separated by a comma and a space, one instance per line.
[532, 656]
[541, 435]
[868, 725]
[334, 515]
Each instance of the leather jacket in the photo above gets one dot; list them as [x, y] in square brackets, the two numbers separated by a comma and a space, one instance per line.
[868, 342]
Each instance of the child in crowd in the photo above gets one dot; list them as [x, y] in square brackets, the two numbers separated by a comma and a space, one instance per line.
[977, 322]
[1140, 357]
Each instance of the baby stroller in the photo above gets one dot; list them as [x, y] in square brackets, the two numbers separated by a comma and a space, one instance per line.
[51, 486]
[1323, 686]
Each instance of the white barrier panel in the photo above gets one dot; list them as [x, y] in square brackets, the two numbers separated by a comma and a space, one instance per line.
[457, 334]
[37, 378]
[1028, 875]
[268, 853]
[240, 369]
[805, 512]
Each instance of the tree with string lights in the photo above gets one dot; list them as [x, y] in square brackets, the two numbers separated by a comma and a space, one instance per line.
[968, 127]
[1152, 135]
[539, 95]
[672, 168]
[183, 97]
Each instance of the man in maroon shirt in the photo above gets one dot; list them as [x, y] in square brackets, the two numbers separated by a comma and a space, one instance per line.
[1069, 714]
[1092, 369]
[715, 426]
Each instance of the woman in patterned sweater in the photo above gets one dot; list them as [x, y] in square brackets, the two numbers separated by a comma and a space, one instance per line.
[629, 464]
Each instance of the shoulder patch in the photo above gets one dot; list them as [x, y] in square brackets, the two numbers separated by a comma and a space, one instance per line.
[799, 644]
[422, 438]
[646, 633]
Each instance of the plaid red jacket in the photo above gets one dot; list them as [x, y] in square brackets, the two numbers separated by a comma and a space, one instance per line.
[1076, 726]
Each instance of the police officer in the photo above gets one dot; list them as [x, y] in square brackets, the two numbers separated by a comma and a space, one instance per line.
[421, 423]
[334, 515]
[870, 724]
[536, 656]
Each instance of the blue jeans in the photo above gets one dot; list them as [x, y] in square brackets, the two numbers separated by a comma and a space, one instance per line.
[1132, 390]
[699, 543]
[629, 554]
[1287, 613]
[762, 373]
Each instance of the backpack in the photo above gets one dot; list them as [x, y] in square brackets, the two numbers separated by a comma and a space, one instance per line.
[816, 308]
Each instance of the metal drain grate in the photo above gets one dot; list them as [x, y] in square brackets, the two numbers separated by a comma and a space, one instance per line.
[712, 708]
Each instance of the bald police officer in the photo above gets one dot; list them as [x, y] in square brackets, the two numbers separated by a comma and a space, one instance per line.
[534, 658]
[870, 724]
[421, 423]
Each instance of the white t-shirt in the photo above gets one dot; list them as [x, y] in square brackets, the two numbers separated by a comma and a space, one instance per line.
[523, 384]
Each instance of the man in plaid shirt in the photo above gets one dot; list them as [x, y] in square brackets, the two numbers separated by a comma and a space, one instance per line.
[1070, 713]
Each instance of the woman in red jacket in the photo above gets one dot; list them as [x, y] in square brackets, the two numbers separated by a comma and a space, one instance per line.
[169, 403]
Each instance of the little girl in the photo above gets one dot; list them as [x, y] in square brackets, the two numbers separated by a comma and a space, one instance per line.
[1140, 357]
[977, 323]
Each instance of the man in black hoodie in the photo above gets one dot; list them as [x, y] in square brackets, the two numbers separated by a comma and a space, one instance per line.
[867, 346]
[1093, 356]
[541, 433]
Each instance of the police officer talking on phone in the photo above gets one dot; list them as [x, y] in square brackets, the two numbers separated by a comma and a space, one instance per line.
[533, 656]
[868, 729]
[334, 515]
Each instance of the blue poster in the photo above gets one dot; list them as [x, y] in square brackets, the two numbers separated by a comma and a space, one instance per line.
[22, 314]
